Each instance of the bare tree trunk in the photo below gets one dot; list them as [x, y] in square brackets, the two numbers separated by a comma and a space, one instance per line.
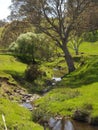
[69, 59]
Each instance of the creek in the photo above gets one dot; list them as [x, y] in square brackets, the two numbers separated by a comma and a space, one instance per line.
[56, 124]
[69, 125]
[83, 126]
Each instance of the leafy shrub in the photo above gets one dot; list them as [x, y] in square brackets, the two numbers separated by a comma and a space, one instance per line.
[41, 114]
[33, 72]
[80, 115]
[91, 36]
[30, 47]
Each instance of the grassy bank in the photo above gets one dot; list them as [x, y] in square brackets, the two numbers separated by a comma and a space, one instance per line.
[9, 64]
[78, 91]
[16, 117]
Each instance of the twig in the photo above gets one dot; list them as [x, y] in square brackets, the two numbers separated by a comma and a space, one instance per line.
[3, 118]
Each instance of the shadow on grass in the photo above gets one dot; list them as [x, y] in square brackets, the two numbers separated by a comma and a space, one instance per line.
[86, 74]
[20, 79]
[31, 87]
[74, 82]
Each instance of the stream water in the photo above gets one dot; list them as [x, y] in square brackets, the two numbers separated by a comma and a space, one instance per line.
[27, 105]
[83, 126]
[69, 125]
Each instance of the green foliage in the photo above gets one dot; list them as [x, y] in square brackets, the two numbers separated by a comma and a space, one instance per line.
[70, 100]
[30, 47]
[1, 29]
[16, 117]
[75, 41]
[77, 91]
[86, 74]
[33, 72]
[91, 36]
[13, 29]
[13, 46]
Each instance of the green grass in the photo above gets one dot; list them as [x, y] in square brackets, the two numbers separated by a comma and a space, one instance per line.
[10, 65]
[85, 74]
[65, 101]
[90, 48]
[16, 117]
[77, 90]
[59, 64]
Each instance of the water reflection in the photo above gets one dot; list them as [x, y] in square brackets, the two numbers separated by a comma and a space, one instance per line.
[83, 126]
[66, 124]
[60, 124]
[27, 105]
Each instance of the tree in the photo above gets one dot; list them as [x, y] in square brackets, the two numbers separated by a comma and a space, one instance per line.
[57, 19]
[2, 23]
[75, 42]
[86, 28]
[12, 30]
[31, 47]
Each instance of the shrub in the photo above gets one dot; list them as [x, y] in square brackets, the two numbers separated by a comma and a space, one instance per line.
[30, 47]
[91, 36]
[32, 72]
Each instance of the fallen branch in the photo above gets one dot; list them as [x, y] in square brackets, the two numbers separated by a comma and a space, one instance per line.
[3, 118]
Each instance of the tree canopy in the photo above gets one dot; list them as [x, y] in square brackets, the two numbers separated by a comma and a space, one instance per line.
[57, 19]
[31, 47]
[12, 30]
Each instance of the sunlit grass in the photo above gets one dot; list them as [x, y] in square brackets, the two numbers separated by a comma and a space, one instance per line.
[90, 48]
[65, 100]
[16, 117]
[75, 91]
[10, 64]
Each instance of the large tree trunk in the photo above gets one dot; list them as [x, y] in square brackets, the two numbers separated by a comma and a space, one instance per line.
[69, 59]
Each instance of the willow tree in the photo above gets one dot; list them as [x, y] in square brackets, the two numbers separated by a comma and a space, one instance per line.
[56, 18]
